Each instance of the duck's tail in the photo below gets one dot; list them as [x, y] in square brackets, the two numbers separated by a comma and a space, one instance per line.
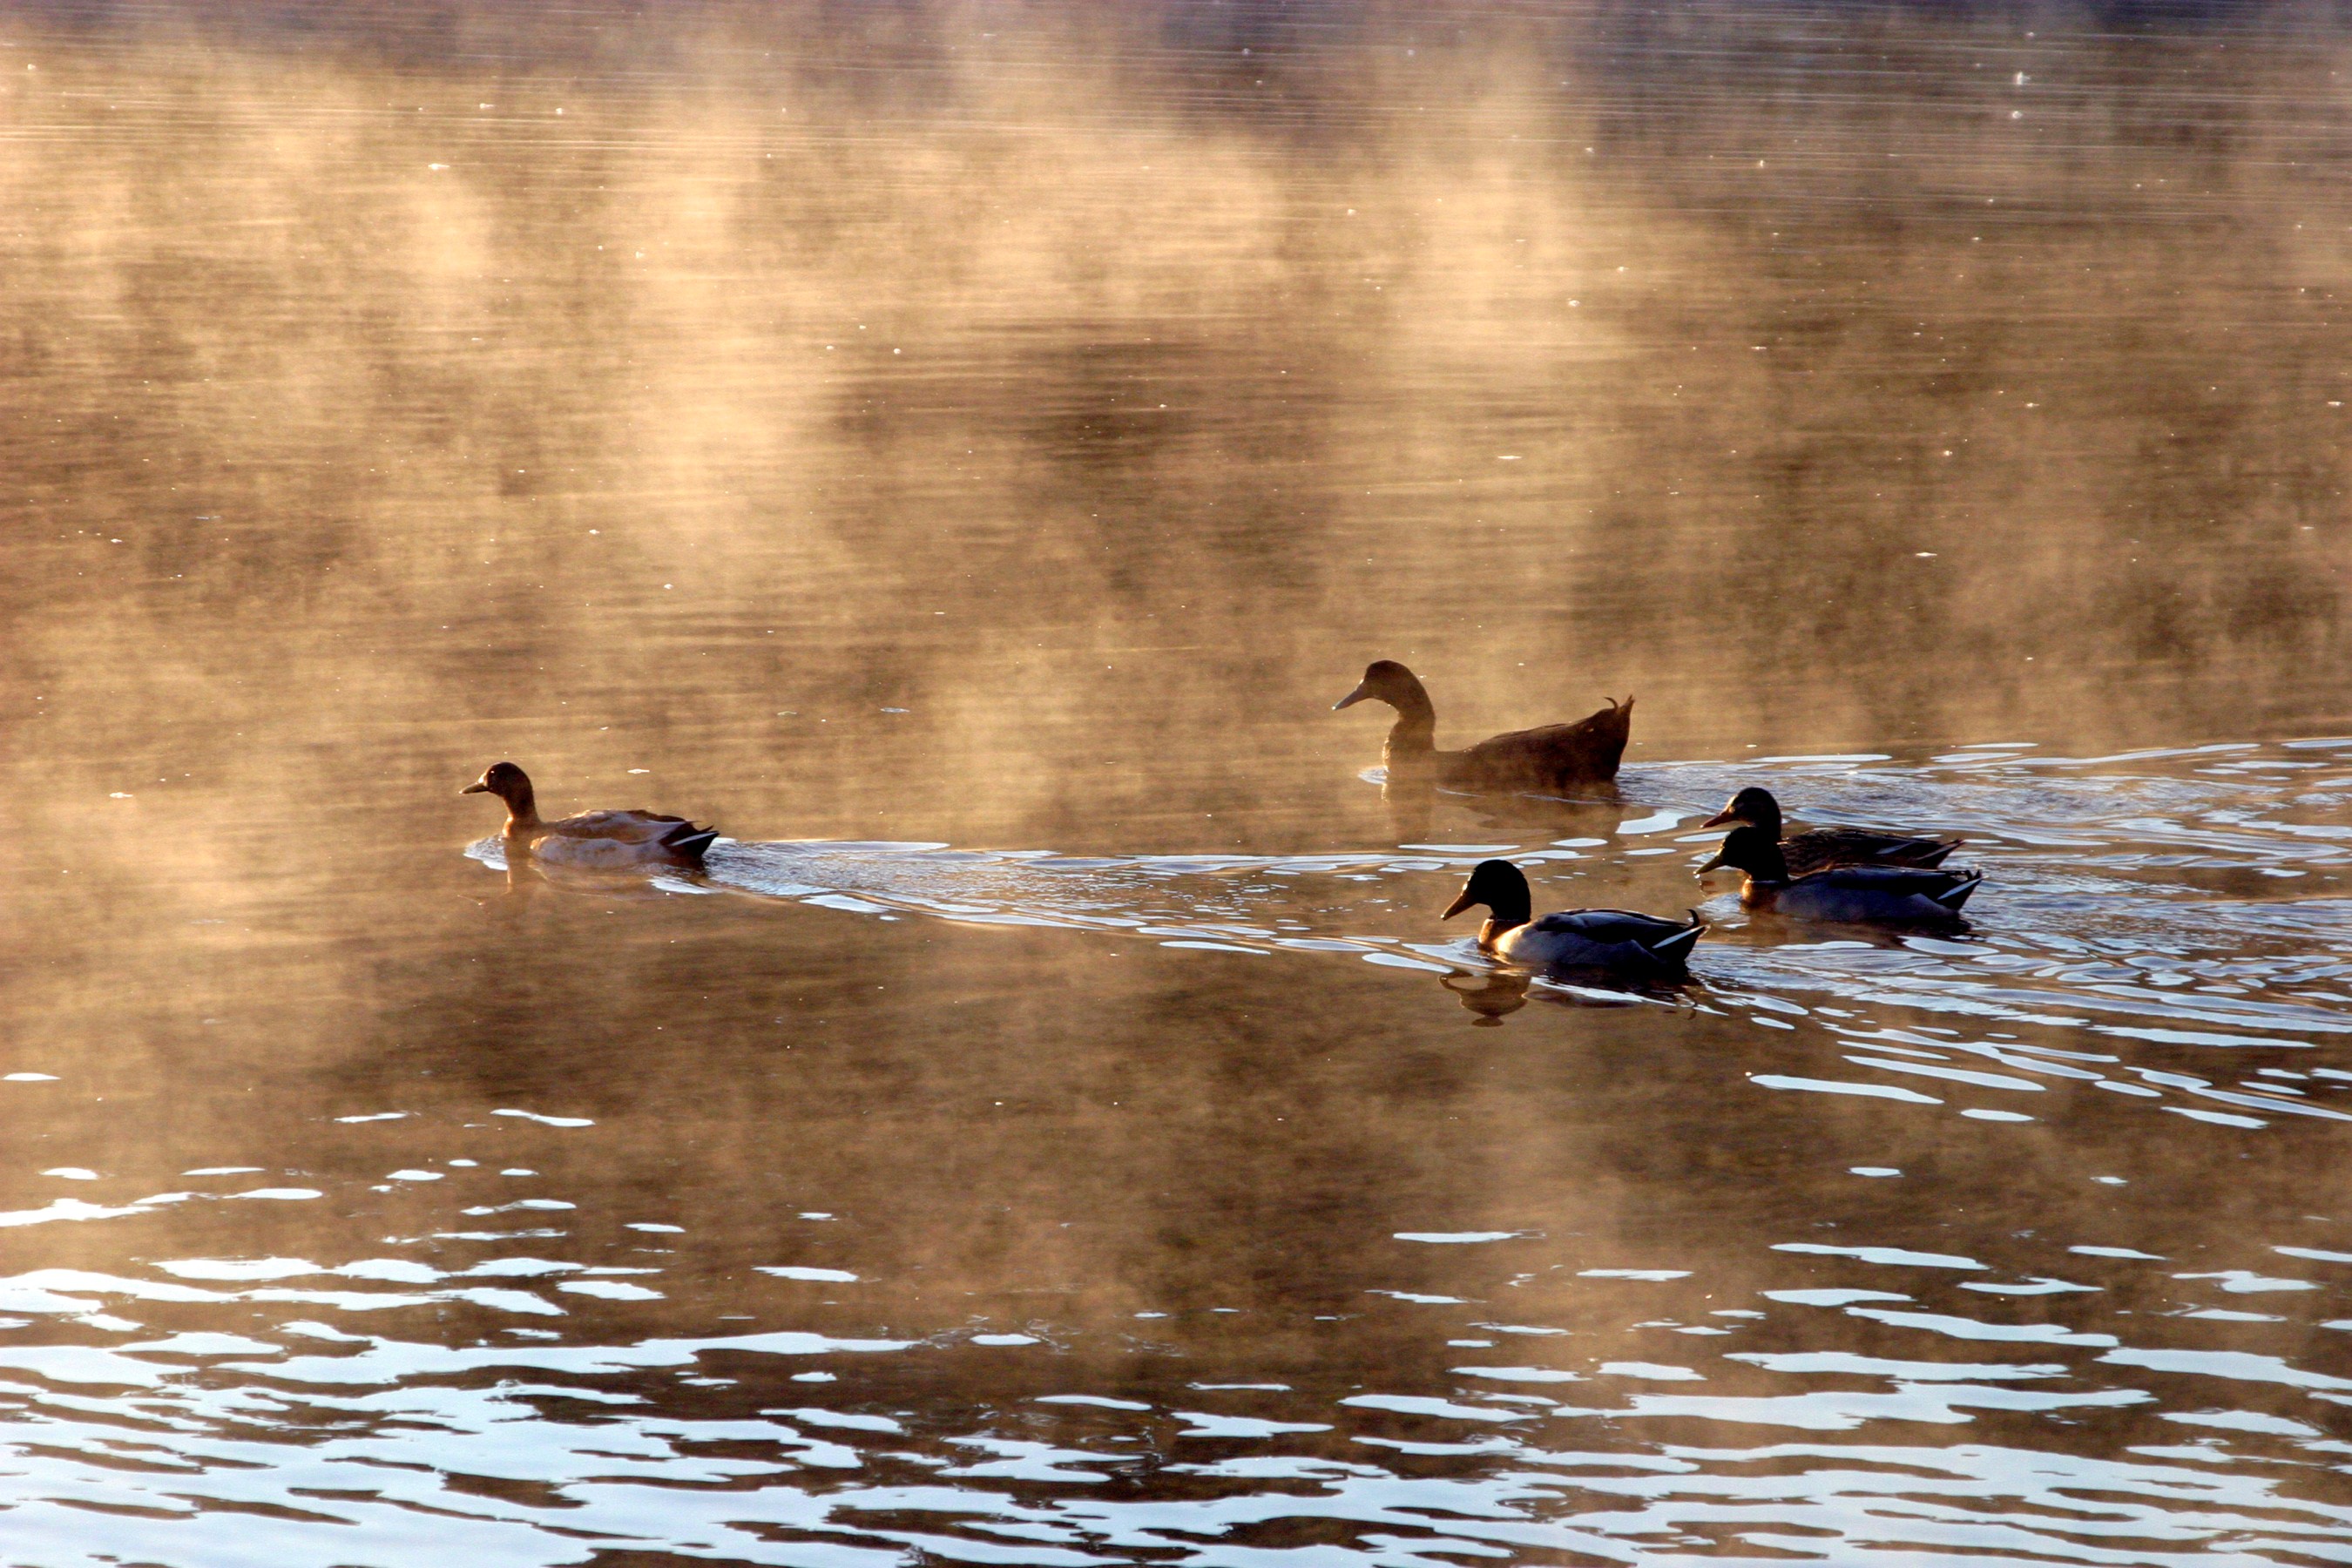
[1610, 729]
[1935, 853]
[1674, 947]
[1953, 897]
[689, 841]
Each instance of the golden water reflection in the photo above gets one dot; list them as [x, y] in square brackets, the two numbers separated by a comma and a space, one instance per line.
[1008, 431]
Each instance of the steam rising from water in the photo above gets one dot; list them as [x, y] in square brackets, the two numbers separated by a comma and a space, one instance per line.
[963, 452]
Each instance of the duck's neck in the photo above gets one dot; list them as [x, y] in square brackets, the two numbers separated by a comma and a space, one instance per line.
[1495, 931]
[1763, 877]
[1414, 733]
[1502, 919]
[523, 810]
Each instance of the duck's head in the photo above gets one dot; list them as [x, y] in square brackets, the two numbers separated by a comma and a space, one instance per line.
[1501, 886]
[506, 781]
[1752, 807]
[1385, 680]
[1752, 850]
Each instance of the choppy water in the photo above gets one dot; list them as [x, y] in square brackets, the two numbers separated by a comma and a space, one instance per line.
[963, 454]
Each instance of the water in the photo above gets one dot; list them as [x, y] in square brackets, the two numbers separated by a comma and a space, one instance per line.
[1058, 1128]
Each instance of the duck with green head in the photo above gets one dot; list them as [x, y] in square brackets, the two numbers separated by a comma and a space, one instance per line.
[1617, 940]
[1853, 893]
[1819, 849]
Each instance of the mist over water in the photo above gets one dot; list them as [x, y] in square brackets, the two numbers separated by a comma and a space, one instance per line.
[963, 452]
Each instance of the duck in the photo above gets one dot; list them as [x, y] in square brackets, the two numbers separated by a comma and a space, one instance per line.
[1853, 893]
[1819, 848]
[1572, 939]
[1550, 757]
[598, 840]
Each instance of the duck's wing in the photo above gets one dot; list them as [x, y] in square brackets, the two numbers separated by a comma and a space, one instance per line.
[1605, 925]
[614, 840]
[1898, 882]
[1962, 886]
[622, 827]
[1668, 939]
[1824, 847]
[1586, 752]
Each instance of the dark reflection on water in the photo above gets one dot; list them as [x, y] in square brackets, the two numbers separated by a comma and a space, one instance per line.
[963, 453]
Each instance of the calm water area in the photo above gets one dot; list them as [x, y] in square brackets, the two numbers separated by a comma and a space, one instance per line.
[964, 450]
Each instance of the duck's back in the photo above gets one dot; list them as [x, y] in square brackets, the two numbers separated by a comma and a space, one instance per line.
[1878, 893]
[1821, 848]
[634, 827]
[1548, 756]
[618, 838]
[1611, 938]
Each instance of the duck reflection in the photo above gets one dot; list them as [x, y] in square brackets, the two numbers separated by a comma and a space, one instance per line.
[1412, 797]
[521, 885]
[1496, 995]
[1412, 800]
[1493, 996]
[527, 880]
[1592, 814]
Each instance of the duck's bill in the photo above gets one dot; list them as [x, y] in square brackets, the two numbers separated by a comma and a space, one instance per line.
[1716, 864]
[477, 788]
[1457, 906]
[1350, 699]
[1726, 817]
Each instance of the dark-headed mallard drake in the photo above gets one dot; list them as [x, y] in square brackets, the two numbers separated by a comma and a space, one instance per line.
[599, 840]
[1579, 939]
[1552, 757]
[1819, 848]
[1842, 892]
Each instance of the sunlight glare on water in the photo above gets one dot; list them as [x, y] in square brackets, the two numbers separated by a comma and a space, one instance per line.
[964, 453]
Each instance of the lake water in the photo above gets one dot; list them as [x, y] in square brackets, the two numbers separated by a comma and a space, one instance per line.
[963, 452]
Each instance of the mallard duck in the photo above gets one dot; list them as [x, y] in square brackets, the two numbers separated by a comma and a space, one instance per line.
[1551, 757]
[1819, 848]
[1842, 892]
[1579, 939]
[607, 840]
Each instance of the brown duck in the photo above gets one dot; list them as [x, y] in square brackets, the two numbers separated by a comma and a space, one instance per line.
[1824, 847]
[1551, 757]
[603, 840]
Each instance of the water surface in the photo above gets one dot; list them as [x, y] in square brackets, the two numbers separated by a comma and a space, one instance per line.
[963, 452]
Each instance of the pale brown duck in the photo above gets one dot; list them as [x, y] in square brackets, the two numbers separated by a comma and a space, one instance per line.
[1551, 757]
[601, 840]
